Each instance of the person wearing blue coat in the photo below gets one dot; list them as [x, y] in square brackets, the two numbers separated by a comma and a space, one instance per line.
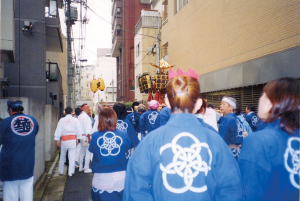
[124, 124]
[231, 129]
[111, 151]
[269, 162]
[150, 120]
[131, 117]
[251, 117]
[17, 157]
[165, 115]
[184, 159]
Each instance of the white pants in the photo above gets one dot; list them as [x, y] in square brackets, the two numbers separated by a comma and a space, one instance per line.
[78, 150]
[13, 190]
[84, 152]
[71, 156]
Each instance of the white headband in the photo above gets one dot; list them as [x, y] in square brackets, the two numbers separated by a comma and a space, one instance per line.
[230, 102]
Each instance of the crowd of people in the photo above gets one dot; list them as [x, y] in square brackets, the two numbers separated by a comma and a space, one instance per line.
[187, 150]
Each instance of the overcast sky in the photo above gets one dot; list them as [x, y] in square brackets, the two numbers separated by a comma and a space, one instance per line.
[97, 32]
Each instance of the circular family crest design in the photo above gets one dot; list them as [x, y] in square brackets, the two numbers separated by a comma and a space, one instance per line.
[152, 117]
[186, 163]
[22, 125]
[133, 120]
[121, 125]
[240, 128]
[109, 144]
[292, 157]
[254, 120]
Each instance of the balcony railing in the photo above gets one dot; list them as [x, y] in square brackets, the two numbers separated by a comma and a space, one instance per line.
[147, 22]
[145, 1]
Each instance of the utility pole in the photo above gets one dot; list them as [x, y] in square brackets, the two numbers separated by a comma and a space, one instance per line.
[112, 83]
[157, 42]
[69, 51]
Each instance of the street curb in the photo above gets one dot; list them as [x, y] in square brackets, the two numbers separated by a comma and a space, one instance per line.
[43, 182]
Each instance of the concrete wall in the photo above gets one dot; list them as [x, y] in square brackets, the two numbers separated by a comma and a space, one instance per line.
[51, 120]
[210, 35]
[41, 113]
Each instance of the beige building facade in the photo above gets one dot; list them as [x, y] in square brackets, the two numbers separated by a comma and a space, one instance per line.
[146, 31]
[233, 44]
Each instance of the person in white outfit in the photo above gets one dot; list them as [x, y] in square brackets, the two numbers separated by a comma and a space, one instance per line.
[86, 125]
[67, 133]
[78, 147]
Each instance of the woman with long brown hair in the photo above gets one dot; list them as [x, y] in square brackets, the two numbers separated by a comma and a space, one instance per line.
[185, 159]
[111, 149]
[270, 159]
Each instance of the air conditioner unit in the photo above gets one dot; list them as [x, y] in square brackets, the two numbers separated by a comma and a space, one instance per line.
[119, 10]
[118, 29]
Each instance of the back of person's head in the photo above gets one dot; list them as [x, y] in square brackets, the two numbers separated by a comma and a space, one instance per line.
[211, 106]
[183, 93]
[238, 110]
[251, 107]
[284, 94]
[78, 111]
[153, 104]
[141, 108]
[134, 104]
[68, 110]
[128, 110]
[15, 105]
[107, 120]
[120, 110]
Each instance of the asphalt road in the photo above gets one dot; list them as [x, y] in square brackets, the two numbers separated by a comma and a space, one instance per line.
[78, 187]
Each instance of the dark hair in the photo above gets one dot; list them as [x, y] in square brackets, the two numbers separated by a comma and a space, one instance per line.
[84, 104]
[183, 93]
[15, 105]
[135, 103]
[238, 110]
[78, 111]
[120, 110]
[251, 107]
[107, 120]
[210, 105]
[68, 110]
[202, 109]
[285, 98]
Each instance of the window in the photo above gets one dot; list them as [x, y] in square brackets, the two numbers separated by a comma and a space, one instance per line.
[137, 50]
[179, 4]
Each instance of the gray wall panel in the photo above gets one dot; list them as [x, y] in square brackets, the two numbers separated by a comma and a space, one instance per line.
[252, 72]
[292, 63]
[235, 76]
[272, 67]
[220, 80]
[261, 70]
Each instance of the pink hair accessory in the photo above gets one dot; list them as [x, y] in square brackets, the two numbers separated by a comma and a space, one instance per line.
[154, 104]
[189, 73]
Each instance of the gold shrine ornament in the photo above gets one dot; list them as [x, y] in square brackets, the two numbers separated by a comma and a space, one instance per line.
[163, 65]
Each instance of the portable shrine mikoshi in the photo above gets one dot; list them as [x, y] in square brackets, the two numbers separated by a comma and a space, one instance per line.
[155, 84]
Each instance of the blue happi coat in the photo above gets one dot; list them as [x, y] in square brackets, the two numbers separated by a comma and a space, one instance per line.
[165, 115]
[245, 124]
[111, 151]
[231, 129]
[182, 160]
[149, 121]
[125, 125]
[17, 156]
[134, 119]
[269, 164]
[253, 120]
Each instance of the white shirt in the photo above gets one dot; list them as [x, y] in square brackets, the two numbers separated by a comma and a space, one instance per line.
[68, 125]
[95, 127]
[86, 125]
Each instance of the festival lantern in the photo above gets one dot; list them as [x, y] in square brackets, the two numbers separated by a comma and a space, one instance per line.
[100, 84]
[94, 85]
